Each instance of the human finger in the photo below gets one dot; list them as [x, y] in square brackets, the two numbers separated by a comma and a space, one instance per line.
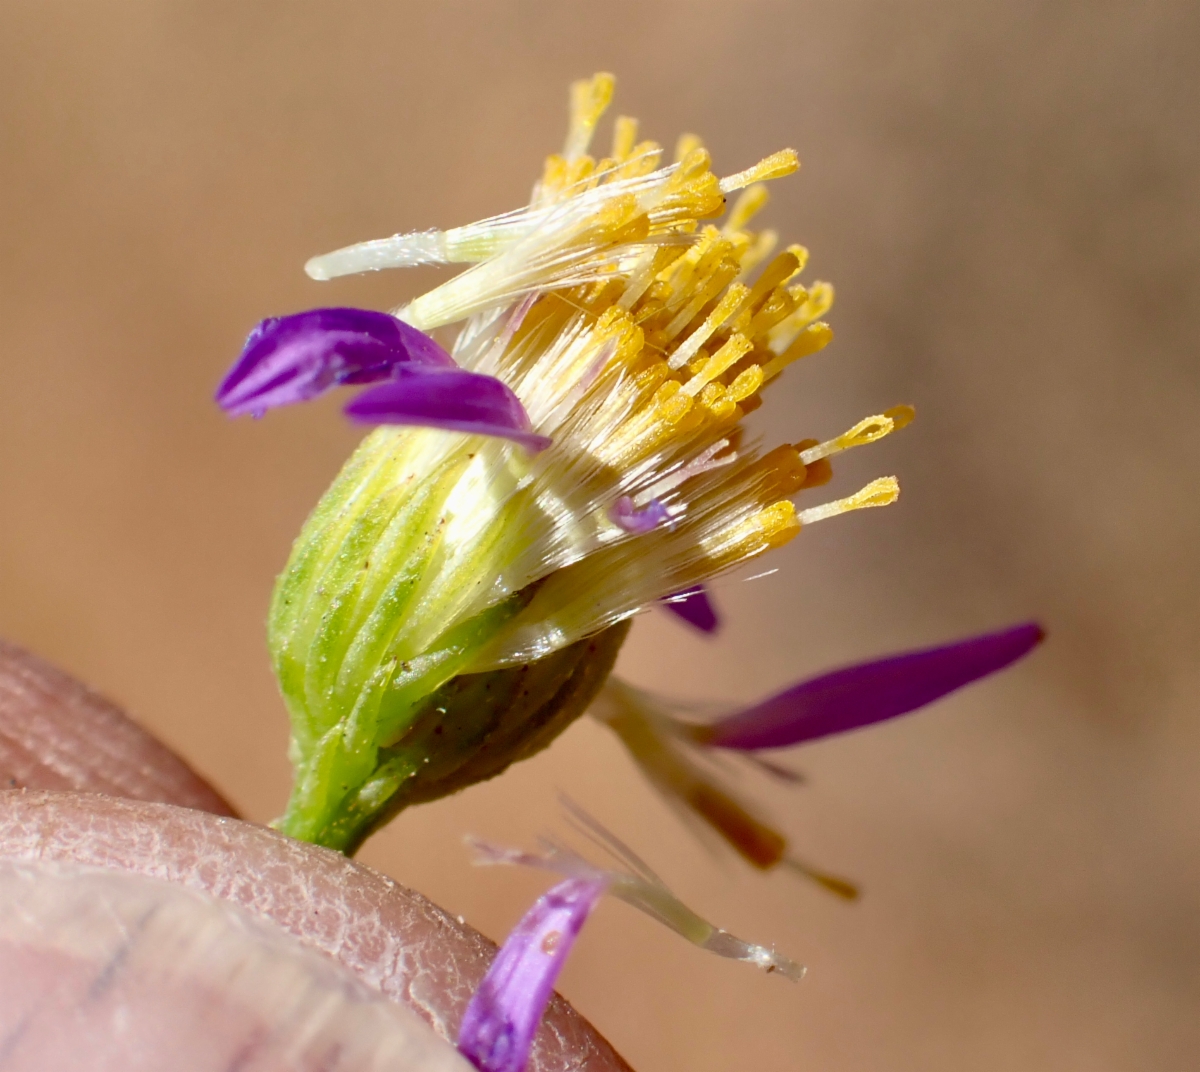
[389, 936]
[55, 733]
[115, 972]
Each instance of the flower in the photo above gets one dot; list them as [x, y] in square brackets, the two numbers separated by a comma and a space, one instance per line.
[504, 1013]
[457, 599]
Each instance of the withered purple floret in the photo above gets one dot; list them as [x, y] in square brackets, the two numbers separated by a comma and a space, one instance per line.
[504, 1013]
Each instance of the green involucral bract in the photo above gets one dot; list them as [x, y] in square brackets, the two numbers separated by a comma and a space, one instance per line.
[389, 596]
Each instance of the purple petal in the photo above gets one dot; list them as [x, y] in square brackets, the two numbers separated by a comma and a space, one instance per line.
[295, 358]
[694, 607]
[454, 399]
[504, 1013]
[870, 692]
[637, 520]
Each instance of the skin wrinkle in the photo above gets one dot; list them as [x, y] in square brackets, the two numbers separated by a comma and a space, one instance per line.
[392, 938]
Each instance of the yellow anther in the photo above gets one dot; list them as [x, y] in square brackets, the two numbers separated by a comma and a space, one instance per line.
[746, 383]
[774, 166]
[778, 523]
[730, 301]
[650, 306]
[734, 350]
[621, 219]
[866, 431]
[624, 137]
[652, 376]
[818, 302]
[752, 201]
[813, 338]
[589, 98]
[693, 163]
[762, 247]
[715, 398]
[881, 492]
[762, 530]
[642, 276]
[578, 169]
[778, 271]
[779, 305]
[671, 403]
[554, 173]
[722, 408]
[782, 471]
[643, 159]
[698, 198]
[688, 423]
[686, 144]
[800, 253]
[679, 269]
[721, 276]
[604, 170]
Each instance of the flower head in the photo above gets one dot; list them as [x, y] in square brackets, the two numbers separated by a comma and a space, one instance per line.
[455, 600]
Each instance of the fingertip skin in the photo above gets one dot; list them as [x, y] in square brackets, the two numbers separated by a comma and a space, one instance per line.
[57, 734]
[111, 971]
[389, 936]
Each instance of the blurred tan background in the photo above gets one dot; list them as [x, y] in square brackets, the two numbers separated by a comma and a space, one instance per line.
[1005, 194]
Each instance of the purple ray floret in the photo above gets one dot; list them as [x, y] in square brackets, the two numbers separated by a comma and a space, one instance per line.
[454, 399]
[694, 607]
[295, 358]
[870, 692]
[504, 1013]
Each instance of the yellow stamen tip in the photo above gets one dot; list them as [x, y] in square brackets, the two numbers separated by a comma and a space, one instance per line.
[746, 383]
[589, 99]
[775, 166]
[901, 415]
[686, 145]
[812, 339]
[800, 253]
[881, 492]
[752, 201]
[624, 137]
[778, 523]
